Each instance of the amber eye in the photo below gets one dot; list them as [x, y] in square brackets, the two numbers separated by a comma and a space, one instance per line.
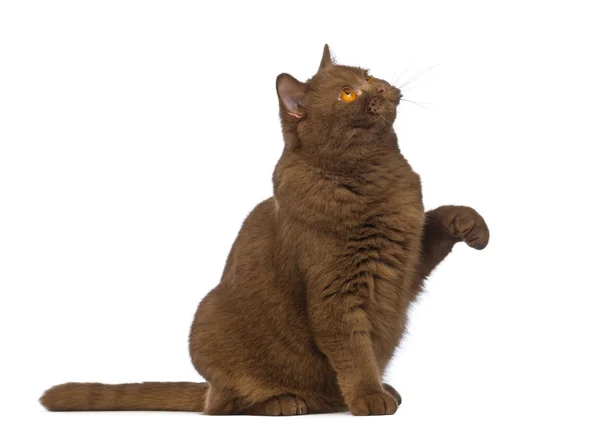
[369, 79]
[347, 95]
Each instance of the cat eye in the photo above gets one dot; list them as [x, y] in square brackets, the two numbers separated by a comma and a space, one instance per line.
[370, 79]
[347, 95]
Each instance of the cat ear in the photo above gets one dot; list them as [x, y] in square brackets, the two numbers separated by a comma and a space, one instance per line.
[326, 60]
[291, 94]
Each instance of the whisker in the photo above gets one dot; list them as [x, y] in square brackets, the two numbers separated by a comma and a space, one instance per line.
[411, 88]
[416, 103]
[385, 119]
[418, 75]
[400, 76]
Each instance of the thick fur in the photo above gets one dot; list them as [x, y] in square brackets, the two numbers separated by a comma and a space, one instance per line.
[314, 297]
[130, 396]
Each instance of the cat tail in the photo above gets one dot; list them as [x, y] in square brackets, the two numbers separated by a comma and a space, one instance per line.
[182, 396]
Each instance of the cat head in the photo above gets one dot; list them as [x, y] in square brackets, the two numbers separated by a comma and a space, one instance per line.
[338, 108]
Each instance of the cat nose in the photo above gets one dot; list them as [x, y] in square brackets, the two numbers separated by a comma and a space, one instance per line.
[381, 89]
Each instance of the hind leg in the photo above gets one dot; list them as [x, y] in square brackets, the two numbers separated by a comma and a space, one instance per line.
[220, 401]
[224, 402]
[227, 402]
[292, 405]
[282, 405]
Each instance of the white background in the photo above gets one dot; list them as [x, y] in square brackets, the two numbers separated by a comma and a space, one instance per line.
[135, 136]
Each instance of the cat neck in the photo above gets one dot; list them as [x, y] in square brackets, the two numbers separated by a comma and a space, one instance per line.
[353, 159]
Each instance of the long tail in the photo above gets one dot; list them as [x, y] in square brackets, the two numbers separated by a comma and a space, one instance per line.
[181, 396]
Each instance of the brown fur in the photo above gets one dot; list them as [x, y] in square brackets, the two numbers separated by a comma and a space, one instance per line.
[315, 292]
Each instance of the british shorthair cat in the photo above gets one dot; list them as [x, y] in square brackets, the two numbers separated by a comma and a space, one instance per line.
[314, 296]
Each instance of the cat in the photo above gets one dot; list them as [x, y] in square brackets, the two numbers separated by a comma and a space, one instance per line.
[314, 296]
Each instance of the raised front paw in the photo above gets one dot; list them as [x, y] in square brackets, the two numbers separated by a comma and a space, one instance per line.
[375, 403]
[465, 224]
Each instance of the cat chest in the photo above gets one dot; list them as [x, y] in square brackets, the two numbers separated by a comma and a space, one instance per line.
[379, 255]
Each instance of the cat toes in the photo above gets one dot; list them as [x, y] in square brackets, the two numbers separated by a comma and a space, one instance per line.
[285, 405]
[376, 403]
[468, 226]
[393, 392]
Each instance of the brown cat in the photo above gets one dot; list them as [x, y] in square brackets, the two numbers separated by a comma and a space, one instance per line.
[315, 292]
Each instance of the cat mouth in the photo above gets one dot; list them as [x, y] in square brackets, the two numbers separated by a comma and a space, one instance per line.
[395, 95]
[379, 106]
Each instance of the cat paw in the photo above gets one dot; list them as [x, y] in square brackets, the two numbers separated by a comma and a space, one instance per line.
[467, 225]
[393, 392]
[283, 405]
[375, 403]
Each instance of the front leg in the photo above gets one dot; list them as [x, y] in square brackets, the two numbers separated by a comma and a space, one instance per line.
[342, 332]
[444, 227]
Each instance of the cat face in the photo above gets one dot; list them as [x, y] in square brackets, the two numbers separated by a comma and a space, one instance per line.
[351, 98]
[339, 103]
